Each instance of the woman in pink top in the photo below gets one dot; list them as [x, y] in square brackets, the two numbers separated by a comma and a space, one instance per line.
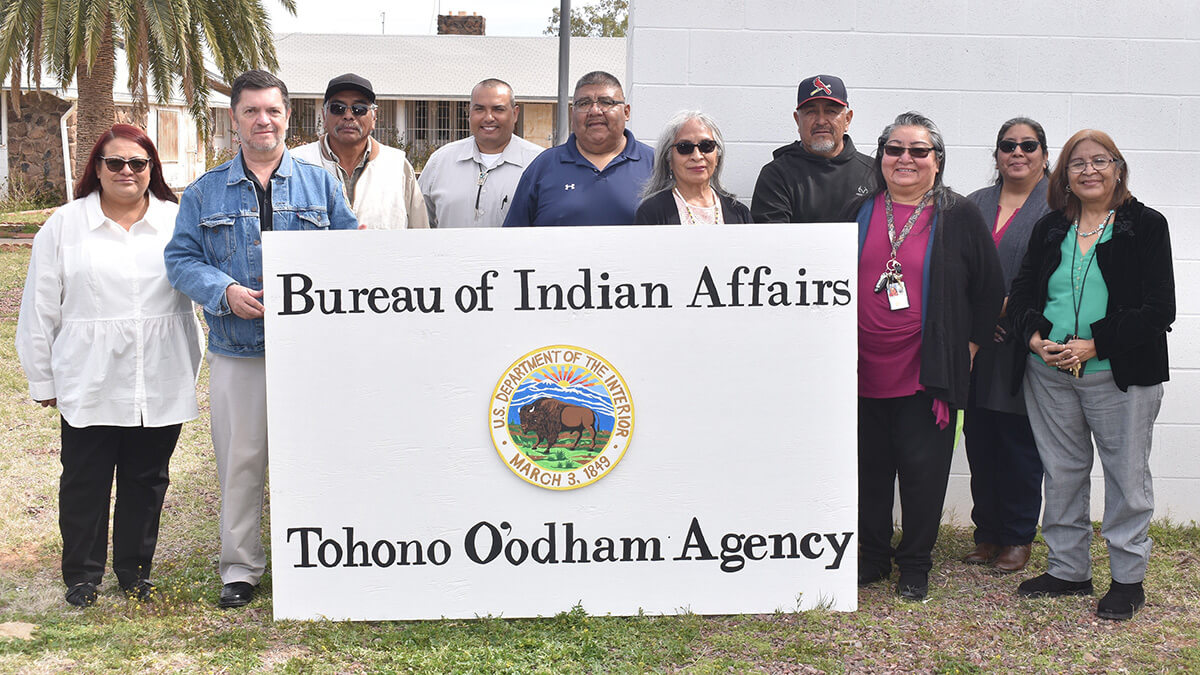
[930, 290]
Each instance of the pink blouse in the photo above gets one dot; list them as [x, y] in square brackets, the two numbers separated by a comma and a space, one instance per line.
[889, 341]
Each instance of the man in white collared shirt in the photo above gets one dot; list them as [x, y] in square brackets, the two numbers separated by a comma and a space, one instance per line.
[469, 183]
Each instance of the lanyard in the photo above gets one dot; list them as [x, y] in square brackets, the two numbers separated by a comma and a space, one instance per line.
[1077, 303]
[891, 223]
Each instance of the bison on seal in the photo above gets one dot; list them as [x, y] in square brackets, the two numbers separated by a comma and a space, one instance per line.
[549, 417]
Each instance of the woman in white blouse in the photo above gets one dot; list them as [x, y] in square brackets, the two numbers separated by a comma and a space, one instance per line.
[104, 337]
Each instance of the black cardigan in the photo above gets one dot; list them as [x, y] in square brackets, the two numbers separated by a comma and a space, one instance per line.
[1136, 264]
[660, 209]
[962, 295]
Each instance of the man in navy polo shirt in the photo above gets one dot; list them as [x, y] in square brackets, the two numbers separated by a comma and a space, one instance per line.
[596, 176]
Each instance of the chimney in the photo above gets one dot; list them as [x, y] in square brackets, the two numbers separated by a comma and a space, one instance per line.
[459, 23]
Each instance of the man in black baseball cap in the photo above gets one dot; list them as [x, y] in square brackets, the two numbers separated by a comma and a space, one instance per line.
[350, 81]
[816, 178]
[379, 182]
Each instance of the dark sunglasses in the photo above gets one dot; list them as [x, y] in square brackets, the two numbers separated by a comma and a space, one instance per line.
[898, 150]
[359, 109]
[686, 148]
[1026, 146]
[115, 164]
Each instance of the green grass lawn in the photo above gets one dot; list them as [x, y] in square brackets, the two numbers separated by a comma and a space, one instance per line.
[34, 218]
[973, 621]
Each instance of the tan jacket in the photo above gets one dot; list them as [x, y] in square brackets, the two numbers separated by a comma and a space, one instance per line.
[386, 196]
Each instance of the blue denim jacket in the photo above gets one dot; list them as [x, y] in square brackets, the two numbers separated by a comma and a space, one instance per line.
[217, 241]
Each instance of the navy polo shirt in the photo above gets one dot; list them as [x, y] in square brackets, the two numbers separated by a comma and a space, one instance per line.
[560, 187]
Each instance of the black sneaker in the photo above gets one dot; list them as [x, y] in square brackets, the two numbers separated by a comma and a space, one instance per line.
[1050, 586]
[913, 586]
[141, 590]
[82, 595]
[1121, 601]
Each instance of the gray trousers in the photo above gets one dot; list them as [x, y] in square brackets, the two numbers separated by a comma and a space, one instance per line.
[238, 397]
[1066, 413]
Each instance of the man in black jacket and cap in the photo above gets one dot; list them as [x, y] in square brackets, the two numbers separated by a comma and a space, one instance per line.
[817, 178]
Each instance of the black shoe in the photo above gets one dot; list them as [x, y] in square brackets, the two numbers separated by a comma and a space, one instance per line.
[82, 595]
[1121, 601]
[870, 575]
[913, 585]
[141, 590]
[1050, 586]
[236, 594]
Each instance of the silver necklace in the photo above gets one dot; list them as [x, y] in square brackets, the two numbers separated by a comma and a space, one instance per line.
[1099, 228]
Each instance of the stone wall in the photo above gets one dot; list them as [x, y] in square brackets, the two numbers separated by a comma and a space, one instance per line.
[35, 144]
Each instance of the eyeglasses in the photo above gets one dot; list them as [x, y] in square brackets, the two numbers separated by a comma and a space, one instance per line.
[359, 109]
[605, 104]
[686, 148]
[1097, 163]
[898, 150]
[116, 164]
[1007, 146]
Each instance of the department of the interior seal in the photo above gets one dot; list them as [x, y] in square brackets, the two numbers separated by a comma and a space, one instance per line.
[561, 417]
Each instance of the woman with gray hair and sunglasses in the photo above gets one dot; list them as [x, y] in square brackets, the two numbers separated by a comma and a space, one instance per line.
[685, 187]
[929, 292]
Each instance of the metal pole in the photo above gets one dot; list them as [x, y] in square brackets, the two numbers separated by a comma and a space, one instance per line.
[561, 130]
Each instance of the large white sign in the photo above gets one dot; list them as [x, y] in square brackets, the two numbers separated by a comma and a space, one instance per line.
[512, 422]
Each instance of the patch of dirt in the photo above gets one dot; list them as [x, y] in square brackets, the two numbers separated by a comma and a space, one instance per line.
[24, 557]
[280, 655]
[10, 303]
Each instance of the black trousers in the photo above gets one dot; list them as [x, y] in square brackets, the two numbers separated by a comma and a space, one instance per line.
[898, 438]
[90, 456]
[1006, 477]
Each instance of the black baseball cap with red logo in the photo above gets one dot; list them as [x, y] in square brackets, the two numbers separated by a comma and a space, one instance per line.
[829, 87]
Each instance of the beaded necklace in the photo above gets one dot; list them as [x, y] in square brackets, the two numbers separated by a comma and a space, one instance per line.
[692, 216]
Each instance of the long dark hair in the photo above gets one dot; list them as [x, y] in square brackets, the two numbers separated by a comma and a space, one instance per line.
[89, 182]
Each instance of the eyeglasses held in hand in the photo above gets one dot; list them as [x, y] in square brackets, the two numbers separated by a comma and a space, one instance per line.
[359, 109]
[1026, 146]
[116, 164]
[1098, 163]
[605, 104]
[898, 150]
[686, 148]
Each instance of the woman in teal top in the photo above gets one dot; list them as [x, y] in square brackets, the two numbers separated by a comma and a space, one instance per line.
[1094, 300]
[1077, 295]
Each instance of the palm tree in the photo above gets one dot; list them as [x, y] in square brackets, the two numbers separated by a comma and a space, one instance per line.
[165, 43]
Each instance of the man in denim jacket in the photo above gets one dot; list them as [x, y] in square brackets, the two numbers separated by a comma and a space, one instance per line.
[215, 258]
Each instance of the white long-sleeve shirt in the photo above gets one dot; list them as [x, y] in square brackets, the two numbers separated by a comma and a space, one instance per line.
[100, 328]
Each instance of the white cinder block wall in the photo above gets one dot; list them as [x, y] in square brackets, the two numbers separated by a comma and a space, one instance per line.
[1131, 69]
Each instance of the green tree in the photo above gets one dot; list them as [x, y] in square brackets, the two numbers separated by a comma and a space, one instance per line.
[606, 18]
[165, 44]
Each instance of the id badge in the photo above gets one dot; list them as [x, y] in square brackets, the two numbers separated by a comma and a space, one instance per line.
[897, 296]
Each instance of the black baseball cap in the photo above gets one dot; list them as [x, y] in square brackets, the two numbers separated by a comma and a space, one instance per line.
[829, 87]
[350, 81]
